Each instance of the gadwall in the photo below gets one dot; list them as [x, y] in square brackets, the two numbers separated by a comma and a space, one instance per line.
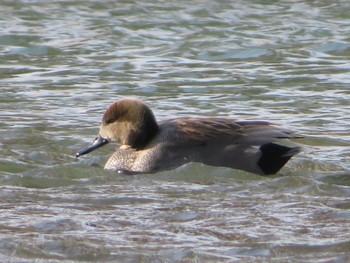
[149, 147]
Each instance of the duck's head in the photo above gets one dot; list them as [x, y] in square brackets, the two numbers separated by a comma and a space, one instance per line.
[129, 122]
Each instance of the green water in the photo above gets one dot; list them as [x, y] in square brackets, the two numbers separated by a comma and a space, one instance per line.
[63, 62]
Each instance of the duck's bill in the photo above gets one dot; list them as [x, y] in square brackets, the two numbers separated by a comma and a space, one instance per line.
[98, 142]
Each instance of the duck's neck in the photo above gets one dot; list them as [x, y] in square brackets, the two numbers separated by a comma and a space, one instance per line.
[141, 136]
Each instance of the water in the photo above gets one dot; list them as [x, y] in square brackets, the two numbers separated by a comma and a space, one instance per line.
[63, 62]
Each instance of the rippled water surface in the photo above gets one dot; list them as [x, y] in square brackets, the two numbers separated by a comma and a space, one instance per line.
[63, 62]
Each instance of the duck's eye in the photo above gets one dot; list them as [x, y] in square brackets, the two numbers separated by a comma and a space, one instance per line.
[110, 120]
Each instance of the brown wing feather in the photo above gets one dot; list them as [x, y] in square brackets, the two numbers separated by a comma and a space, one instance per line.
[204, 130]
[199, 131]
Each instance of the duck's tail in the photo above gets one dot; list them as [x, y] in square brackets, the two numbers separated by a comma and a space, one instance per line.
[275, 156]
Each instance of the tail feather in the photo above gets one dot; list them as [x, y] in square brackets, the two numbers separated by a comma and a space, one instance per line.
[275, 156]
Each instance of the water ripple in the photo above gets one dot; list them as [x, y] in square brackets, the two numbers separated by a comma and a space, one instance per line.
[63, 62]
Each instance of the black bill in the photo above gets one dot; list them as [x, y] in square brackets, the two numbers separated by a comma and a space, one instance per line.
[97, 143]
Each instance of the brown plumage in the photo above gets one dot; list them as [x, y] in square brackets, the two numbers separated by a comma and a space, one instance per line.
[148, 147]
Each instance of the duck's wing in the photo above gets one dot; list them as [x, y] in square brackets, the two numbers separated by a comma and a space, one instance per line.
[260, 132]
[202, 131]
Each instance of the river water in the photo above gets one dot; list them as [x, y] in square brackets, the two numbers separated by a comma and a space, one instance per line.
[63, 62]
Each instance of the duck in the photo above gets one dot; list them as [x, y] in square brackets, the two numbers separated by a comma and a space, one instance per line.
[148, 146]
